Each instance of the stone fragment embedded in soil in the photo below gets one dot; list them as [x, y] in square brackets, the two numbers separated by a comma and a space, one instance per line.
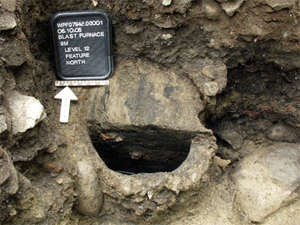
[45, 202]
[57, 140]
[234, 138]
[7, 21]
[211, 88]
[9, 181]
[3, 126]
[9, 5]
[211, 9]
[25, 184]
[52, 147]
[281, 4]
[268, 180]
[164, 21]
[14, 53]
[30, 143]
[231, 134]
[134, 29]
[26, 111]
[208, 75]
[166, 2]
[230, 7]
[90, 199]
[222, 162]
[283, 133]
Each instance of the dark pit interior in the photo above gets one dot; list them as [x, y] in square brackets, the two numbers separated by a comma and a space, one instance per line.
[142, 150]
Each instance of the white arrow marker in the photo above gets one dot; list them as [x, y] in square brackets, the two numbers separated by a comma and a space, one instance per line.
[66, 95]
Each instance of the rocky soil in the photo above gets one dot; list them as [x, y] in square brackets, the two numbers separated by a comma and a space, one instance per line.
[200, 123]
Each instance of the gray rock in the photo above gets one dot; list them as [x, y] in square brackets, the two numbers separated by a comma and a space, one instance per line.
[230, 7]
[91, 198]
[268, 180]
[283, 164]
[234, 138]
[231, 134]
[58, 139]
[9, 181]
[52, 147]
[281, 132]
[9, 5]
[6, 79]
[7, 21]
[25, 111]
[278, 5]
[211, 9]
[25, 184]
[29, 143]
[14, 53]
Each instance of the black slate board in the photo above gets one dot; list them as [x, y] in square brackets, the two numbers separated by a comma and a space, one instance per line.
[82, 45]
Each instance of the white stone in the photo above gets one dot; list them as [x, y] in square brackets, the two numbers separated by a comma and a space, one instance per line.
[166, 2]
[25, 111]
[211, 88]
[167, 36]
[7, 21]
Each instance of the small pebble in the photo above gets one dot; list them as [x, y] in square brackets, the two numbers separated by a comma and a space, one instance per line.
[211, 88]
[95, 3]
[222, 162]
[166, 2]
[167, 36]
[60, 180]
